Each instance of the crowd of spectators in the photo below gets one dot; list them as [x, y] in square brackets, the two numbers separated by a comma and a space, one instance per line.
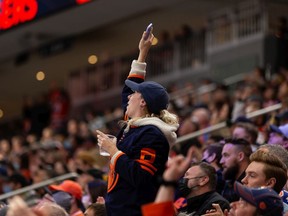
[49, 147]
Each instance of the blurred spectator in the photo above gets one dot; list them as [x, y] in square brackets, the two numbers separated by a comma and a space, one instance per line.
[220, 105]
[214, 138]
[51, 209]
[282, 44]
[242, 92]
[184, 38]
[95, 189]
[4, 210]
[63, 199]
[96, 209]
[74, 189]
[60, 107]
[279, 135]
[187, 126]
[72, 140]
[269, 96]
[247, 131]
[202, 117]
[212, 155]
[256, 77]
[282, 118]
[17, 181]
[85, 160]
[36, 114]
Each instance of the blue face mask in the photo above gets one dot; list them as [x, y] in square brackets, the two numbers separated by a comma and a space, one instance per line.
[16, 166]
[6, 188]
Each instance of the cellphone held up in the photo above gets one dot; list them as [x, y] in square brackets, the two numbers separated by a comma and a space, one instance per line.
[148, 31]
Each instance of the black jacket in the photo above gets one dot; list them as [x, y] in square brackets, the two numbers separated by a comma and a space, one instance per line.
[200, 204]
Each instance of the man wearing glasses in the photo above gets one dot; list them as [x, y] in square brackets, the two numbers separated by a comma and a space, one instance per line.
[198, 187]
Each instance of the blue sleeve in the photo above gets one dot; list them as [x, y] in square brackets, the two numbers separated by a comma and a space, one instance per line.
[146, 161]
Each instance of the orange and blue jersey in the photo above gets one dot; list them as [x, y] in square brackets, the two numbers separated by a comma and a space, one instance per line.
[134, 170]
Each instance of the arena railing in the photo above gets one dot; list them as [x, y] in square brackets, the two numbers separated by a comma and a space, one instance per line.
[38, 185]
[224, 124]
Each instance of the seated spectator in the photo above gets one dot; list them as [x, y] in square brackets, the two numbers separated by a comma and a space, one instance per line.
[96, 209]
[74, 189]
[235, 160]
[265, 170]
[282, 118]
[17, 181]
[254, 202]
[265, 201]
[95, 189]
[201, 116]
[212, 155]
[63, 199]
[51, 209]
[199, 189]
[3, 209]
[278, 135]
[220, 105]
[247, 131]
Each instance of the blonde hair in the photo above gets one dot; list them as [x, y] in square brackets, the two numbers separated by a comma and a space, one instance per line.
[165, 116]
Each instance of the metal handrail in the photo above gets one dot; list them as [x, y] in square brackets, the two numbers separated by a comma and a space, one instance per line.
[225, 124]
[38, 185]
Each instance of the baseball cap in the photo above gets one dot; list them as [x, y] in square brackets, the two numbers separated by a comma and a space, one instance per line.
[284, 196]
[266, 200]
[283, 129]
[4, 210]
[154, 94]
[63, 199]
[70, 187]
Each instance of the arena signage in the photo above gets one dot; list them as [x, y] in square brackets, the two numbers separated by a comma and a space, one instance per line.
[16, 12]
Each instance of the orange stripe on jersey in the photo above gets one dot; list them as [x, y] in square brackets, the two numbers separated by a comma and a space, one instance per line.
[147, 169]
[148, 165]
[112, 181]
[148, 155]
[136, 76]
[180, 203]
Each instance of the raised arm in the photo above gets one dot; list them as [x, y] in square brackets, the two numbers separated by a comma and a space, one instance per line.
[138, 67]
[144, 46]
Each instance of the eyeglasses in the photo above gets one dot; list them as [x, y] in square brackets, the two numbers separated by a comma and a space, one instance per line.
[195, 177]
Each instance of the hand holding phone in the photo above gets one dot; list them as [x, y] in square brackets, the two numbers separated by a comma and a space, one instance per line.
[148, 31]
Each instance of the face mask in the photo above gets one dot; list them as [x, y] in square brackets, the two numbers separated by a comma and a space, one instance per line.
[184, 190]
[205, 160]
[6, 189]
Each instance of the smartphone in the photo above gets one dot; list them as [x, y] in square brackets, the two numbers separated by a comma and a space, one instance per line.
[148, 31]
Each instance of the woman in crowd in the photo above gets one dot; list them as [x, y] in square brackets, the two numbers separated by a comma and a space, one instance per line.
[143, 144]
